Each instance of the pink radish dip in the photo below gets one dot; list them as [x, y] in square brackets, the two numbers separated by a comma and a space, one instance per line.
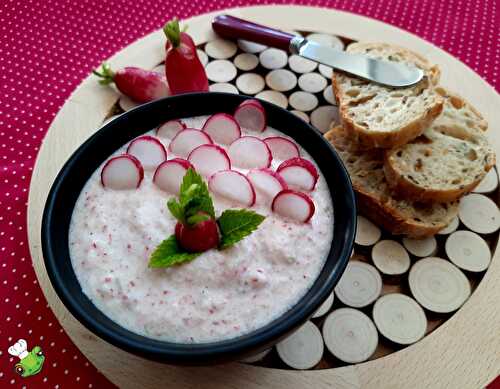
[217, 296]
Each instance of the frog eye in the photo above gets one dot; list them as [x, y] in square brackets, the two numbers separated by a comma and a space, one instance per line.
[19, 369]
[40, 353]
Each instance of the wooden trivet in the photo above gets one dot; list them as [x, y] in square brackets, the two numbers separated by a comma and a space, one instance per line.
[458, 353]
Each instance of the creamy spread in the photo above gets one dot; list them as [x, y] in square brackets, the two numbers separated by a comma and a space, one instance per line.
[217, 296]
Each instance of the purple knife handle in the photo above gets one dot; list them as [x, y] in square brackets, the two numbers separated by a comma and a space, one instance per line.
[234, 28]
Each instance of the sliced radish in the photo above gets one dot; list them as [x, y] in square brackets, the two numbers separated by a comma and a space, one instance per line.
[209, 159]
[232, 185]
[149, 150]
[170, 129]
[251, 115]
[222, 128]
[250, 152]
[266, 182]
[293, 205]
[282, 148]
[299, 173]
[168, 176]
[187, 140]
[122, 172]
[250, 101]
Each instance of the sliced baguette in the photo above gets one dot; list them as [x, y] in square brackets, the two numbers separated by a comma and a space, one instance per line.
[447, 161]
[375, 199]
[380, 116]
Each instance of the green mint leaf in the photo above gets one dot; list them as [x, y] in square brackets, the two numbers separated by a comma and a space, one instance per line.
[207, 206]
[197, 218]
[169, 253]
[235, 224]
[193, 199]
[194, 196]
[176, 209]
[192, 192]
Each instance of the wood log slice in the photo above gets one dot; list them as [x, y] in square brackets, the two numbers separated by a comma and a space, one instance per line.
[399, 318]
[438, 285]
[350, 335]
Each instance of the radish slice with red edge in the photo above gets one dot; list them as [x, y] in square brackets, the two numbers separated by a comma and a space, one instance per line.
[222, 128]
[148, 150]
[250, 101]
[170, 129]
[233, 186]
[249, 152]
[187, 140]
[282, 148]
[122, 172]
[209, 159]
[251, 115]
[299, 173]
[168, 176]
[293, 205]
[266, 182]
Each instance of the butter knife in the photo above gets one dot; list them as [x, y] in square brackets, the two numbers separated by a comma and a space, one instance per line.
[382, 72]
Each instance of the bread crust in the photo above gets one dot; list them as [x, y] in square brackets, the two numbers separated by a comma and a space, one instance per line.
[384, 139]
[380, 210]
[407, 189]
[388, 139]
[402, 184]
[390, 219]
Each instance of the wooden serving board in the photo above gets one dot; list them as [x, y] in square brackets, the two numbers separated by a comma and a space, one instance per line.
[462, 352]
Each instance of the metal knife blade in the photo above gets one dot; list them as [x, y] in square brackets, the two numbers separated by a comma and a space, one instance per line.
[382, 72]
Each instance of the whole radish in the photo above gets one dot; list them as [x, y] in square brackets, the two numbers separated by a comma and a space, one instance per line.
[203, 236]
[138, 84]
[183, 69]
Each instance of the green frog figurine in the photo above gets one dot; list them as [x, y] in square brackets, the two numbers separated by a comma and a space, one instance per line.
[30, 362]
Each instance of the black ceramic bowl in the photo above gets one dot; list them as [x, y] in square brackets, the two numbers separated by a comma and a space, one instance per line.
[88, 157]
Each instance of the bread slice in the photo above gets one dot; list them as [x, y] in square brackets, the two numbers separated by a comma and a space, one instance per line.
[448, 160]
[380, 116]
[374, 197]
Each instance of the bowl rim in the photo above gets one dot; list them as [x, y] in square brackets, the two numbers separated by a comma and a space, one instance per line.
[197, 353]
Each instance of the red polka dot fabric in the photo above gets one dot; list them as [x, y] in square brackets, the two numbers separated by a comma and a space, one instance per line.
[49, 47]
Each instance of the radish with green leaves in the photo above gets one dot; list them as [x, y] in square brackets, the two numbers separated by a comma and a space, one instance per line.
[140, 85]
[197, 229]
[183, 69]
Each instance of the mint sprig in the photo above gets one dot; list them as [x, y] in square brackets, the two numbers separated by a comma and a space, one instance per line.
[169, 253]
[194, 200]
[235, 224]
[194, 206]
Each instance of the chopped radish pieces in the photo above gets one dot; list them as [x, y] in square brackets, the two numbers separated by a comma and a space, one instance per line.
[251, 115]
[122, 172]
[266, 182]
[209, 159]
[234, 186]
[170, 129]
[187, 140]
[168, 176]
[222, 128]
[282, 148]
[293, 205]
[249, 152]
[148, 150]
[299, 173]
